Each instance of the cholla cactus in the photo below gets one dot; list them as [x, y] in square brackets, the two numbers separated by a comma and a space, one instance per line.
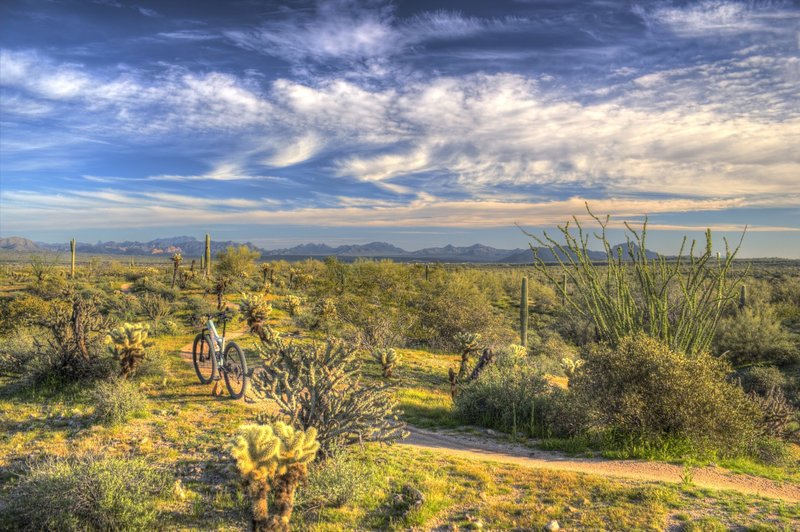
[176, 265]
[127, 344]
[467, 341]
[571, 366]
[388, 359]
[276, 454]
[292, 304]
[256, 309]
[517, 351]
[267, 273]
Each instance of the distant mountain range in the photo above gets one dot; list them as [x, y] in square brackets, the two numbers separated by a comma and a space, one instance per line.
[191, 247]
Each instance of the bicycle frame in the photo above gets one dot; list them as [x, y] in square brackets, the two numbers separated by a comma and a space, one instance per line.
[219, 341]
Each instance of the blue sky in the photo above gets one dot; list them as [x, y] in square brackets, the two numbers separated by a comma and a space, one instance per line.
[416, 123]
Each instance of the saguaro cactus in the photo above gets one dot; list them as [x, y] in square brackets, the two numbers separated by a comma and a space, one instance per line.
[274, 456]
[523, 313]
[742, 296]
[72, 246]
[207, 257]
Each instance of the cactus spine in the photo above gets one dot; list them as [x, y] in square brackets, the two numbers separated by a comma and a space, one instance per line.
[523, 313]
[207, 257]
[279, 455]
[72, 247]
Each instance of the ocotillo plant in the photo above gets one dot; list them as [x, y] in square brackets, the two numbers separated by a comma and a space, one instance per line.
[523, 313]
[127, 345]
[677, 301]
[176, 264]
[72, 247]
[207, 257]
[388, 359]
[273, 456]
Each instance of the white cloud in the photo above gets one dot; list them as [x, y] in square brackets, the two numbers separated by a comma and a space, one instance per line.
[715, 17]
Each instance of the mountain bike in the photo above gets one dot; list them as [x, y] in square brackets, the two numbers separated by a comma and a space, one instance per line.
[212, 356]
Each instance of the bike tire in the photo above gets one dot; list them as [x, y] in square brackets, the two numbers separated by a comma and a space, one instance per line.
[235, 371]
[205, 365]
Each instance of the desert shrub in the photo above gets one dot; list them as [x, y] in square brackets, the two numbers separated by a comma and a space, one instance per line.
[197, 308]
[117, 401]
[17, 354]
[156, 308]
[645, 390]
[85, 493]
[320, 386]
[374, 324]
[509, 395]
[72, 344]
[772, 451]
[550, 352]
[761, 379]
[755, 335]
[451, 305]
[344, 476]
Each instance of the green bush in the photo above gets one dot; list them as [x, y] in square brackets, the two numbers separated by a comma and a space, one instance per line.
[452, 305]
[645, 390]
[117, 401]
[755, 335]
[344, 476]
[761, 379]
[510, 395]
[85, 493]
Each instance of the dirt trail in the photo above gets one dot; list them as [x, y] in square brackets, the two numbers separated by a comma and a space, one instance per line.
[482, 448]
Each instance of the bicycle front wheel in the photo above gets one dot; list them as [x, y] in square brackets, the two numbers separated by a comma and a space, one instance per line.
[203, 358]
[235, 370]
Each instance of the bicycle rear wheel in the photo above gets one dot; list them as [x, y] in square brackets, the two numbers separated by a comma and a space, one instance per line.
[235, 371]
[203, 358]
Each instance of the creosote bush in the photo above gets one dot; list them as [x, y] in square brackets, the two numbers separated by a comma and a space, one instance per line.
[509, 395]
[117, 401]
[91, 492]
[645, 390]
[755, 335]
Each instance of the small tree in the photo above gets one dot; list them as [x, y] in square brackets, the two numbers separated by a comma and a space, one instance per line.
[233, 266]
[273, 457]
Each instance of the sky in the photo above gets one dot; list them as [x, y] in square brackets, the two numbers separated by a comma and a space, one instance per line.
[415, 123]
